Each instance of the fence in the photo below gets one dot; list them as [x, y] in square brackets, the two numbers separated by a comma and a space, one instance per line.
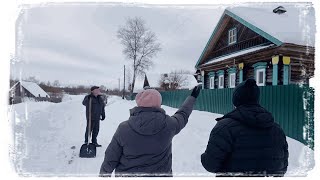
[291, 105]
[19, 99]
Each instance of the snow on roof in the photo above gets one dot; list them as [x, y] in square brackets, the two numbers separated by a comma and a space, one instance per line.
[249, 50]
[34, 89]
[296, 25]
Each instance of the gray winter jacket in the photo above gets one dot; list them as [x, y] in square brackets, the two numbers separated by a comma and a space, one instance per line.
[141, 146]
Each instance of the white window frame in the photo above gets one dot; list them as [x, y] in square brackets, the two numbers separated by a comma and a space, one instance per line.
[232, 36]
[232, 84]
[212, 82]
[263, 78]
[219, 85]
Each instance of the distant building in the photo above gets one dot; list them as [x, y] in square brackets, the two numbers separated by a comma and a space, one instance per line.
[27, 89]
[146, 82]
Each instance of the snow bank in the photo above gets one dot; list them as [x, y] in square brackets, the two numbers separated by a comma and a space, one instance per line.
[69, 97]
[49, 136]
[301, 158]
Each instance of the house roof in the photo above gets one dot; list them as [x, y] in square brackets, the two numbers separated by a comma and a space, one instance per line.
[34, 89]
[296, 26]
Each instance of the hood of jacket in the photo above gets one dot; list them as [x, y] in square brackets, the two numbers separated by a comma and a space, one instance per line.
[147, 120]
[251, 115]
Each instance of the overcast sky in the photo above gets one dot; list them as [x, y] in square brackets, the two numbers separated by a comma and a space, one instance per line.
[77, 43]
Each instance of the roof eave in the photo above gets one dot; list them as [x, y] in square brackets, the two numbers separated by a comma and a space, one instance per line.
[236, 57]
[212, 34]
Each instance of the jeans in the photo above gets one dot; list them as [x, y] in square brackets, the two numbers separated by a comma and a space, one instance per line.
[95, 125]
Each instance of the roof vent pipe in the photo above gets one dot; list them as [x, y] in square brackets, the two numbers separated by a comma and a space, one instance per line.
[279, 10]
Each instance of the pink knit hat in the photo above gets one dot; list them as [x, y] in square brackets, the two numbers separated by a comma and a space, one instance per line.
[149, 98]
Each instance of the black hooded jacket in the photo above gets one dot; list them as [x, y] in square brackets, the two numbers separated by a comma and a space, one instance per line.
[246, 142]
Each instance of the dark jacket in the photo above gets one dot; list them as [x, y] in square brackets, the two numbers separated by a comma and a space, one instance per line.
[141, 146]
[246, 141]
[97, 107]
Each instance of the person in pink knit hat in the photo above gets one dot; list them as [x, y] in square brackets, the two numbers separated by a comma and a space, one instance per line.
[142, 145]
[149, 98]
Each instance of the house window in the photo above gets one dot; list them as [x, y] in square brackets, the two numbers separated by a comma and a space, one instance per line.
[261, 77]
[221, 81]
[232, 80]
[232, 37]
[212, 82]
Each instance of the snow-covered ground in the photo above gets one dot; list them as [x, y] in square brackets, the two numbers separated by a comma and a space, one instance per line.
[49, 136]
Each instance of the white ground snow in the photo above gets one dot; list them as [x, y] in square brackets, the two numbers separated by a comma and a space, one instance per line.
[50, 130]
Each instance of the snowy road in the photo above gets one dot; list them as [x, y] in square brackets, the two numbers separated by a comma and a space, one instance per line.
[51, 135]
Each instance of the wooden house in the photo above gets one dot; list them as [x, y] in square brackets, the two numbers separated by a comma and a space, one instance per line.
[273, 44]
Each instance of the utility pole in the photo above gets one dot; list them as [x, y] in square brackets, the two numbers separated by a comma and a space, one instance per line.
[119, 85]
[124, 81]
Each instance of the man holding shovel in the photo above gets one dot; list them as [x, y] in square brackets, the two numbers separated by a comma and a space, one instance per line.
[97, 113]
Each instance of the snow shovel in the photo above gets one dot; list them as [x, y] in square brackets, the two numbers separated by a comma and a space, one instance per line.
[88, 150]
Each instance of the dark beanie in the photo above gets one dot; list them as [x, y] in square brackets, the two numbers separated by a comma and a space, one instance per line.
[246, 92]
[94, 87]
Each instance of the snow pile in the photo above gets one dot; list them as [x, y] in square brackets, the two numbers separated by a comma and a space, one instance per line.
[301, 158]
[49, 136]
[68, 97]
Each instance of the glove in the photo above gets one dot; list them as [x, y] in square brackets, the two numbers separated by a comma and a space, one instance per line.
[103, 117]
[196, 91]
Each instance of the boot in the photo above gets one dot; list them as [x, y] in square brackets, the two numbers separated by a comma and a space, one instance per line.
[96, 144]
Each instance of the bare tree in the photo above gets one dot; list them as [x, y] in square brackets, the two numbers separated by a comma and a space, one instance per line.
[184, 71]
[164, 82]
[178, 79]
[56, 83]
[140, 46]
[174, 80]
[33, 79]
[103, 88]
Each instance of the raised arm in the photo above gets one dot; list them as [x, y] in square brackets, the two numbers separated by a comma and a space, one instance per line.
[181, 117]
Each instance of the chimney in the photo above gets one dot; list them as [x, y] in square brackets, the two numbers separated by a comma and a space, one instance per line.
[279, 10]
